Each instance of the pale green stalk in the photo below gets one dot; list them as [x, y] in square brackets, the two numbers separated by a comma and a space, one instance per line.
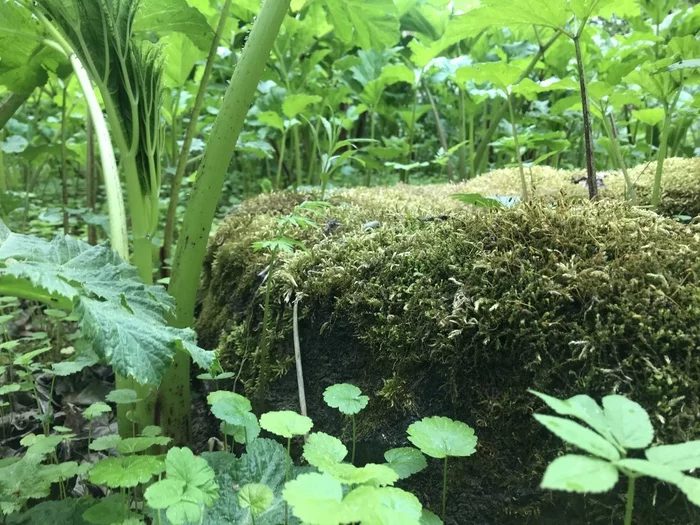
[518, 157]
[663, 148]
[630, 500]
[192, 243]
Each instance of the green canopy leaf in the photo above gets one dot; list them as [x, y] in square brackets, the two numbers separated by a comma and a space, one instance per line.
[370, 24]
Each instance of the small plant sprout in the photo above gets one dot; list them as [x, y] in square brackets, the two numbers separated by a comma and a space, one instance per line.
[235, 413]
[619, 426]
[125, 396]
[286, 424]
[93, 412]
[349, 400]
[257, 497]
[441, 437]
[188, 487]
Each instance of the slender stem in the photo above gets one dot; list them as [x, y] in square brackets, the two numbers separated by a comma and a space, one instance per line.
[354, 439]
[630, 500]
[171, 217]
[663, 148]
[523, 181]
[286, 478]
[500, 113]
[441, 130]
[264, 337]
[297, 156]
[280, 162]
[587, 128]
[444, 489]
[64, 162]
[297, 356]
[90, 179]
[462, 165]
[411, 127]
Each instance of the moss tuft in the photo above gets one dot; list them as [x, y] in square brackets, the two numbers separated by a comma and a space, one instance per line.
[443, 309]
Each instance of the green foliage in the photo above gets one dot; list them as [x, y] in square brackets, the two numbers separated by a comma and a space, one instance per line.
[346, 398]
[439, 437]
[122, 320]
[285, 423]
[621, 425]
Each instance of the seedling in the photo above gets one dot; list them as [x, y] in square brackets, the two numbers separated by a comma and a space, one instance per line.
[349, 400]
[620, 426]
[440, 437]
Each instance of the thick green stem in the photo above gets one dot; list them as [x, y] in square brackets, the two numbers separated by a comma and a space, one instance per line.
[444, 489]
[501, 112]
[591, 180]
[171, 217]
[192, 243]
[630, 501]
[523, 181]
[10, 106]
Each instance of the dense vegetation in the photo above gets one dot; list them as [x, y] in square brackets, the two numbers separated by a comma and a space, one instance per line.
[557, 253]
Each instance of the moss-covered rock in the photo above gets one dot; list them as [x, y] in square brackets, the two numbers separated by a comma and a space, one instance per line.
[443, 309]
[680, 184]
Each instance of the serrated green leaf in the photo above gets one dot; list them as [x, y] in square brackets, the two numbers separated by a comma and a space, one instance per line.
[439, 436]
[181, 464]
[369, 474]
[134, 445]
[293, 105]
[370, 24]
[174, 16]
[629, 422]
[578, 435]
[286, 423]
[683, 456]
[123, 396]
[152, 431]
[323, 451]
[126, 472]
[105, 442]
[642, 467]
[95, 410]
[384, 505]
[255, 496]
[111, 510]
[181, 55]
[406, 461]
[428, 518]
[345, 397]
[573, 473]
[316, 499]
[245, 431]
[164, 493]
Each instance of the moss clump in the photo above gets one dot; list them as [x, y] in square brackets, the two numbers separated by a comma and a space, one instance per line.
[680, 183]
[459, 315]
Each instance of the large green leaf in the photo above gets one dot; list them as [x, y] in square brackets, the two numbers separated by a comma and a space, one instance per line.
[383, 505]
[264, 462]
[365, 23]
[439, 436]
[174, 16]
[180, 55]
[317, 499]
[122, 320]
[573, 473]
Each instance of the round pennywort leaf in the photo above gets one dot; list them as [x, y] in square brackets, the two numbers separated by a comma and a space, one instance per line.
[345, 397]
[439, 436]
[286, 423]
[255, 496]
[405, 461]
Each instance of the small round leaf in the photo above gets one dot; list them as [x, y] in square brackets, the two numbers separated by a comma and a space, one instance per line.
[345, 397]
[256, 496]
[315, 499]
[323, 451]
[406, 461]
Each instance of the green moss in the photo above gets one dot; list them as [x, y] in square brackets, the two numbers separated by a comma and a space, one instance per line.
[460, 314]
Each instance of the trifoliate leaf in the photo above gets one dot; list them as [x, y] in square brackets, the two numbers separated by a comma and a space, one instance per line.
[126, 472]
[683, 456]
[384, 506]
[139, 444]
[642, 467]
[578, 435]
[316, 499]
[346, 398]
[629, 422]
[439, 436]
[405, 461]
[105, 442]
[286, 423]
[255, 496]
[123, 396]
[323, 451]
[164, 493]
[95, 410]
[574, 473]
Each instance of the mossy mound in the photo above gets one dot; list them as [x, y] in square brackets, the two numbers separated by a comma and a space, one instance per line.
[680, 184]
[449, 310]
